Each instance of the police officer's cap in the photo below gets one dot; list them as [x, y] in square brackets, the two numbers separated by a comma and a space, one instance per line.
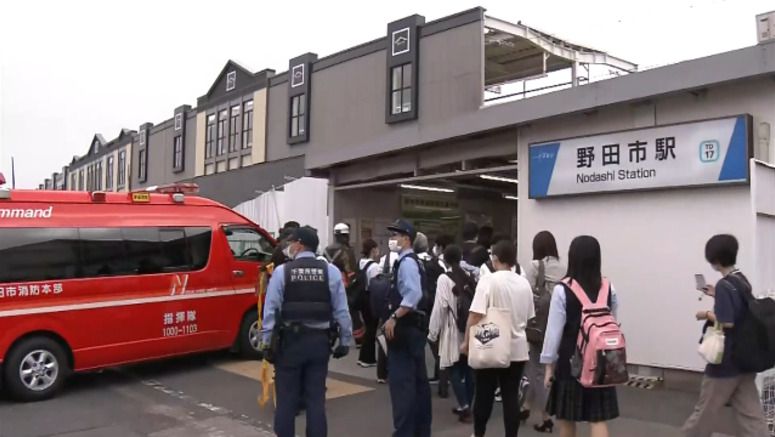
[402, 226]
[306, 236]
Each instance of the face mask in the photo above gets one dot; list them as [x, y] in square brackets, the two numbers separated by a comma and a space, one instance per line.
[288, 252]
[436, 251]
[393, 245]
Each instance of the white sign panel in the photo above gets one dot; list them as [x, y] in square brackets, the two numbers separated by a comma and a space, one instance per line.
[689, 154]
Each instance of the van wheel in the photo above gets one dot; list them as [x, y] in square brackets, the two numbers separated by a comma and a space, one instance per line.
[35, 369]
[250, 337]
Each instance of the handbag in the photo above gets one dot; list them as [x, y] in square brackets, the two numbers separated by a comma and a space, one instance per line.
[489, 344]
[712, 346]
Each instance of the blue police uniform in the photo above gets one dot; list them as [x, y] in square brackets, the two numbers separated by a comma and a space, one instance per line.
[309, 294]
[410, 391]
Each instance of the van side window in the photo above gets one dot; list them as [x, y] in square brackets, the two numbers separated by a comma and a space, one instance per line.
[247, 244]
[175, 254]
[103, 253]
[199, 245]
[143, 250]
[38, 254]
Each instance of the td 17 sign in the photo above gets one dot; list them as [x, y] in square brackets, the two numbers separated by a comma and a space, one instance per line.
[688, 154]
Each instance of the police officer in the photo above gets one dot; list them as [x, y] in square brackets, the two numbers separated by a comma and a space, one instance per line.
[308, 296]
[410, 391]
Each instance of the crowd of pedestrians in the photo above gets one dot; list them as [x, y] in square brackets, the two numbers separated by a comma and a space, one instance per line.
[520, 335]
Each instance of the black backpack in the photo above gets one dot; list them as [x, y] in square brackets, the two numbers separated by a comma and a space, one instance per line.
[433, 270]
[379, 292]
[426, 302]
[464, 296]
[753, 345]
[357, 293]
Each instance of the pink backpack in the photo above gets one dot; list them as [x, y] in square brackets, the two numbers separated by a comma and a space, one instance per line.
[600, 359]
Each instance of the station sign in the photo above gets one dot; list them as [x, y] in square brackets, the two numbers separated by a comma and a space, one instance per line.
[700, 153]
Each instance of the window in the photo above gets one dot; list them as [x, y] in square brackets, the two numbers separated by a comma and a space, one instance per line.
[109, 172]
[247, 125]
[298, 110]
[38, 254]
[210, 146]
[177, 153]
[178, 121]
[80, 180]
[162, 250]
[247, 244]
[98, 176]
[121, 168]
[143, 161]
[174, 249]
[73, 182]
[142, 137]
[234, 129]
[41, 254]
[88, 177]
[231, 80]
[401, 89]
[222, 117]
[103, 253]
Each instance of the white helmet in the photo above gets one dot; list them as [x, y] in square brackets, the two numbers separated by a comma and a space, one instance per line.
[342, 229]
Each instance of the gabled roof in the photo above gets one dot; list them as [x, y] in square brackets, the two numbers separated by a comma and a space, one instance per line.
[96, 142]
[231, 65]
[124, 132]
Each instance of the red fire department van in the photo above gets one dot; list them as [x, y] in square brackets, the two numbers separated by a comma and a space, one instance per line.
[92, 280]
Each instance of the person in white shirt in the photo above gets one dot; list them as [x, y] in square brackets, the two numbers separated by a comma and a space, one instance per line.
[444, 328]
[391, 262]
[503, 289]
[488, 267]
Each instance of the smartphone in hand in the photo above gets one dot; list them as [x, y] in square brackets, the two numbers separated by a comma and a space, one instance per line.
[701, 284]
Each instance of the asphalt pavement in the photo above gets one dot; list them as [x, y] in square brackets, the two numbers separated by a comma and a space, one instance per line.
[215, 395]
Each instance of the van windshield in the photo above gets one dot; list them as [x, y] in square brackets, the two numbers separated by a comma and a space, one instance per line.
[247, 244]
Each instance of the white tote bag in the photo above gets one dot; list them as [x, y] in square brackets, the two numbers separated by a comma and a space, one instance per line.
[712, 346]
[489, 345]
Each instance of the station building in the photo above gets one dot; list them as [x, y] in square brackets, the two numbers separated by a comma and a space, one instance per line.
[473, 118]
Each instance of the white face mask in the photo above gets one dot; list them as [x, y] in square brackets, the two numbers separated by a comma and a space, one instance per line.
[437, 251]
[393, 245]
[288, 252]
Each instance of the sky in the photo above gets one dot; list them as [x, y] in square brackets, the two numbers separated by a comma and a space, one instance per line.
[70, 69]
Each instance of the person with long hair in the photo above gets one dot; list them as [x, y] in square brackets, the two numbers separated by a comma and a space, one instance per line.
[453, 287]
[569, 402]
[543, 274]
[502, 289]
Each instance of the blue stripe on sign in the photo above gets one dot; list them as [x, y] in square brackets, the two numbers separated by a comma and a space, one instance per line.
[736, 162]
[542, 160]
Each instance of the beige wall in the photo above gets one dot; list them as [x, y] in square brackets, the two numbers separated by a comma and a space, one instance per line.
[128, 168]
[199, 149]
[115, 170]
[259, 126]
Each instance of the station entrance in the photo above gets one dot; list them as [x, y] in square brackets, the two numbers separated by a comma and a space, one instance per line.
[437, 199]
